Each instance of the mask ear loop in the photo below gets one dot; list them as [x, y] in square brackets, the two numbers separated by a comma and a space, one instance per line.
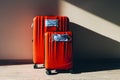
[53, 37]
[70, 38]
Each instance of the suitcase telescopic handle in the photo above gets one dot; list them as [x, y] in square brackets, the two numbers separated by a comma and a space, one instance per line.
[32, 25]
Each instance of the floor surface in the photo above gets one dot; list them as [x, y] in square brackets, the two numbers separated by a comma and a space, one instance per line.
[26, 72]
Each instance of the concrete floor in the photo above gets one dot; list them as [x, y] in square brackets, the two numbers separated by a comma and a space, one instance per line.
[26, 72]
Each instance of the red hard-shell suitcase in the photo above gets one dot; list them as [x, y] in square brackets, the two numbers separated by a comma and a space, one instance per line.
[58, 51]
[42, 24]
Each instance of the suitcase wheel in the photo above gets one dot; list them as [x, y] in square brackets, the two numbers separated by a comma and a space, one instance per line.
[35, 66]
[43, 65]
[71, 71]
[48, 72]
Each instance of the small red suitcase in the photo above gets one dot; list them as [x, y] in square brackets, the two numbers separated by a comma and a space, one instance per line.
[58, 51]
[42, 24]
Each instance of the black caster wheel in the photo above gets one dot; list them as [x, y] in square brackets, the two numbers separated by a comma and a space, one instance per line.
[35, 66]
[48, 72]
[71, 71]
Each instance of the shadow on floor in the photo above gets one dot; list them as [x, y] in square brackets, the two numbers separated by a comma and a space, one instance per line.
[92, 65]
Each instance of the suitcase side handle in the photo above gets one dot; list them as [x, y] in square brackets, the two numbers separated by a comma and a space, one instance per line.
[32, 25]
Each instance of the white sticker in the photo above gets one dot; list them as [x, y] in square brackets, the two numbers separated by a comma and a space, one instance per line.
[51, 22]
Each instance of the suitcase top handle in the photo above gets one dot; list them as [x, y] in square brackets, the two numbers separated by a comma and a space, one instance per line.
[61, 37]
[51, 22]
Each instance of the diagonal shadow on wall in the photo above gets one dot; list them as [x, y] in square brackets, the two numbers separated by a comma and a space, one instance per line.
[107, 9]
[92, 51]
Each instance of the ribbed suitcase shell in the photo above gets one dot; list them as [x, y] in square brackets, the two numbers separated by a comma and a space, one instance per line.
[39, 28]
[58, 55]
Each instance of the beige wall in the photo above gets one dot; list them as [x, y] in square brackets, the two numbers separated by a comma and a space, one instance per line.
[83, 16]
[95, 25]
[15, 25]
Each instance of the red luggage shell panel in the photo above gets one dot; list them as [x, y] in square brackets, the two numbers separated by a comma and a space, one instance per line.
[39, 28]
[58, 55]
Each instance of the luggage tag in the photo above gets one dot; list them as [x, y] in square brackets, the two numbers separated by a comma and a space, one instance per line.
[51, 22]
[61, 37]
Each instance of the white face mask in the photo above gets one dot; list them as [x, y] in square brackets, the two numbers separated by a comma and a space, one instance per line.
[51, 22]
[61, 37]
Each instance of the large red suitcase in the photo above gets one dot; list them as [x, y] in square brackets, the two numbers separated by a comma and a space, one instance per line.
[42, 24]
[58, 51]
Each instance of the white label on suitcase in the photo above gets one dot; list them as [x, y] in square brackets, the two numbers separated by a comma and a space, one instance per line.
[51, 22]
[61, 37]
